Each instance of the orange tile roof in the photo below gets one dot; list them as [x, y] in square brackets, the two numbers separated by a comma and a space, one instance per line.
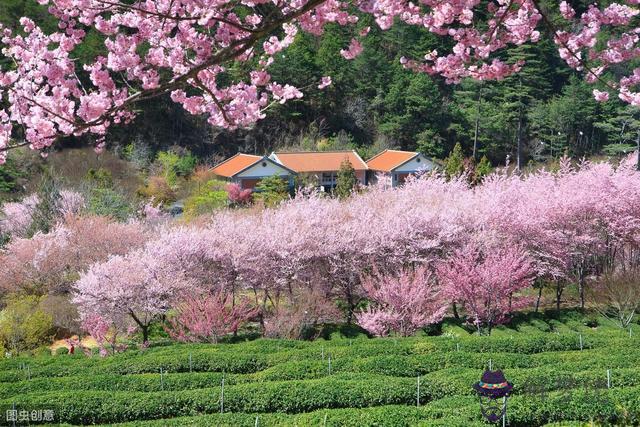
[389, 160]
[319, 161]
[235, 164]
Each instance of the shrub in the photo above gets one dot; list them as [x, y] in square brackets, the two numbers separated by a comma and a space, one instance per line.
[237, 195]
[101, 178]
[272, 191]
[617, 296]
[168, 162]
[109, 202]
[208, 317]
[206, 199]
[158, 190]
[185, 165]
[350, 392]
[174, 165]
[454, 164]
[346, 180]
[404, 303]
[24, 325]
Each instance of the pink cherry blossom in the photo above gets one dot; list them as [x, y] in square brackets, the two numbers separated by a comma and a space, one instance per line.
[403, 303]
[600, 96]
[355, 49]
[325, 82]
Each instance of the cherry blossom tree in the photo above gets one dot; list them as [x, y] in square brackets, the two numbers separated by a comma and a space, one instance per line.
[487, 282]
[181, 48]
[487, 243]
[134, 288]
[104, 333]
[208, 317]
[237, 195]
[16, 217]
[403, 303]
[50, 263]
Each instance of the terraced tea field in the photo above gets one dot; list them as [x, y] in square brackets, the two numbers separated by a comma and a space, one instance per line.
[342, 382]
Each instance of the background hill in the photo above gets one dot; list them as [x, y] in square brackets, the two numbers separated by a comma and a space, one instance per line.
[374, 103]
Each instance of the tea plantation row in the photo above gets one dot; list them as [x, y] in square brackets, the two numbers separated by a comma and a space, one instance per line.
[581, 374]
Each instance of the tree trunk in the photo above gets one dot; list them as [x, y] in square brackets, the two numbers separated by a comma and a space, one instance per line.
[350, 306]
[455, 311]
[581, 287]
[477, 126]
[143, 327]
[539, 297]
[519, 148]
[638, 148]
[558, 294]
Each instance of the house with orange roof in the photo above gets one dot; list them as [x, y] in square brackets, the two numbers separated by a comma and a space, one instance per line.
[321, 166]
[248, 170]
[398, 164]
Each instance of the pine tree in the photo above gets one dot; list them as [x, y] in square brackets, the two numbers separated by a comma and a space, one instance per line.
[521, 91]
[621, 128]
[272, 190]
[346, 180]
[483, 168]
[454, 164]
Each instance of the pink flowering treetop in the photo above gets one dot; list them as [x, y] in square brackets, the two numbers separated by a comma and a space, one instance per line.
[237, 195]
[51, 262]
[208, 317]
[402, 303]
[181, 48]
[487, 281]
[16, 217]
[128, 290]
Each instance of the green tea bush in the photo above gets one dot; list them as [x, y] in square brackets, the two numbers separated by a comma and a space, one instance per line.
[369, 382]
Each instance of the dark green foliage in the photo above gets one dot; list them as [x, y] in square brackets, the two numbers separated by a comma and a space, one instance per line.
[454, 164]
[109, 202]
[100, 178]
[9, 176]
[371, 381]
[483, 168]
[185, 165]
[272, 190]
[346, 180]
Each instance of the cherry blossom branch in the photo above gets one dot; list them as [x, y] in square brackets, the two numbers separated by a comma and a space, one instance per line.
[577, 57]
[172, 17]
